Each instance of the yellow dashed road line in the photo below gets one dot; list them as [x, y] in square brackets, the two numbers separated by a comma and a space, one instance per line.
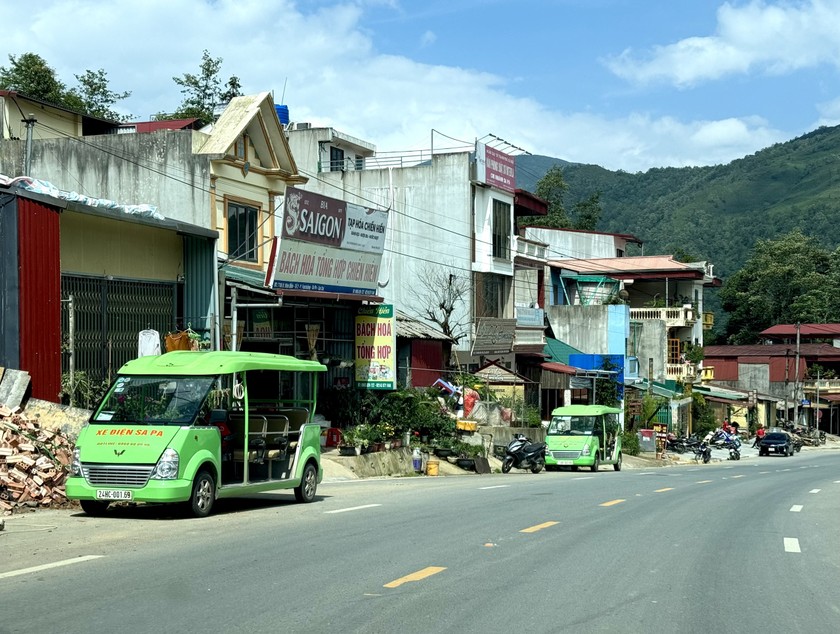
[538, 527]
[415, 576]
[663, 490]
[611, 503]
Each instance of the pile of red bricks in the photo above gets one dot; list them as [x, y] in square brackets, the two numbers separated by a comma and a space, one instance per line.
[33, 463]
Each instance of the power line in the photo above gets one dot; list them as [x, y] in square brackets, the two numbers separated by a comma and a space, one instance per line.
[142, 164]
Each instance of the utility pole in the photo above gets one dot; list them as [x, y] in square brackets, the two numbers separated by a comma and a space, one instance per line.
[817, 411]
[27, 159]
[796, 381]
[787, 381]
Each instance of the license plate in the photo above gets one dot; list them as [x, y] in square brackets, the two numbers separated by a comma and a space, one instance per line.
[114, 494]
[565, 463]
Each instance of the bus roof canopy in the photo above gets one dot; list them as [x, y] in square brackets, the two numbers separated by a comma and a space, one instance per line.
[188, 362]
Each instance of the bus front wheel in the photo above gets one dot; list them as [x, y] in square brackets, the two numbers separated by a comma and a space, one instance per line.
[203, 494]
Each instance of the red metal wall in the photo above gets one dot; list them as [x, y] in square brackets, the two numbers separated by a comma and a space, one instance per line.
[39, 256]
[426, 362]
[726, 368]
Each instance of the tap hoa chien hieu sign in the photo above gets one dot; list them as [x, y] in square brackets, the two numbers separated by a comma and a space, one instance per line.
[327, 245]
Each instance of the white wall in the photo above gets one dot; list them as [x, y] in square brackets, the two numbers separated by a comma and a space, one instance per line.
[429, 223]
[157, 168]
[574, 244]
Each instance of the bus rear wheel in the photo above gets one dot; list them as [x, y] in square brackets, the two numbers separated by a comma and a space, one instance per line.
[305, 491]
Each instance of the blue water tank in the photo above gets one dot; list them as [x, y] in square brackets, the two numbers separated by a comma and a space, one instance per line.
[282, 114]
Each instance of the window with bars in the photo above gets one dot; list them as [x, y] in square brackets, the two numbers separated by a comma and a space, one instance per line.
[242, 231]
[501, 230]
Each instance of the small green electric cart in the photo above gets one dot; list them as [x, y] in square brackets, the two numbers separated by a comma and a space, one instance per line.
[191, 427]
[584, 436]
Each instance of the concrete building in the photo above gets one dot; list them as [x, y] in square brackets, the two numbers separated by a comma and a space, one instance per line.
[452, 257]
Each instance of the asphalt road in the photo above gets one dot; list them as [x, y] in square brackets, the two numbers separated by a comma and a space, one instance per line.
[742, 546]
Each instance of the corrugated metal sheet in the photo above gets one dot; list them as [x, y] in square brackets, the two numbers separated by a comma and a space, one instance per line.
[40, 297]
[426, 362]
[9, 283]
[411, 328]
[199, 278]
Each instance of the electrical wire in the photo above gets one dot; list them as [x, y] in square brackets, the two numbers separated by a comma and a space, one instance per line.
[358, 195]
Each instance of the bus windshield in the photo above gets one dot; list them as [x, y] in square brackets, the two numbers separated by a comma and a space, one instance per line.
[572, 425]
[154, 400]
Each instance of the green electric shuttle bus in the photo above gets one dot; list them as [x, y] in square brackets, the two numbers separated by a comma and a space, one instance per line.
[584, 436]
[191, 427]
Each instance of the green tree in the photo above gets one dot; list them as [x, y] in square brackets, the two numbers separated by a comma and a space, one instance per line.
[202, 92]
[587, 213]
[607, 390]
[787, 280]
[31, 75]
[95, 97]
[551, 188]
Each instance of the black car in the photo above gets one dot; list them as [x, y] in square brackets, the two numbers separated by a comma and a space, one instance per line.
[777, 442]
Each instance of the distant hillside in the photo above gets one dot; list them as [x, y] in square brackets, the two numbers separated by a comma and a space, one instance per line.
[716, 213]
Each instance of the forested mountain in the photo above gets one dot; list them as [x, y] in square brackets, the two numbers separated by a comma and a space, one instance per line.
[714, 213]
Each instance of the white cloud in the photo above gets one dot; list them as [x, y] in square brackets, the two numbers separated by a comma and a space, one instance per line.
[829, 113]
[758, 36]
[324, 66]
[428, 38]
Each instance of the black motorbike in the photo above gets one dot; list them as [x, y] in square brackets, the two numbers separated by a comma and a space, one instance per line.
[702, 452]
[524, 454]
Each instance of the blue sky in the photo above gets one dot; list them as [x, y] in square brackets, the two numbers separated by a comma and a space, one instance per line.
[626, 84]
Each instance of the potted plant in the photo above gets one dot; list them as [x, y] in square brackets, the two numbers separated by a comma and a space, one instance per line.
[386, 432]
[443, 446]
[365, 437]
[350, 444]
[467, 453]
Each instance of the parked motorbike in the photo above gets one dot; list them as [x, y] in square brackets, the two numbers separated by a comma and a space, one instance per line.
[524, 454]
[721, 439]
[702, 452]
[681, 444]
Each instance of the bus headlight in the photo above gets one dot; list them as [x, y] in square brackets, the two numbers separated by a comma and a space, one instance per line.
[167, 467]
[76, 464]
[585, 451]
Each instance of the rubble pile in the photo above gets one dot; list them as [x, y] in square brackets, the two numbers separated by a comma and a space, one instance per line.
[33, 463]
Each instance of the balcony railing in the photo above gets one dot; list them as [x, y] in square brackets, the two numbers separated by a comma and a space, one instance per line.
[529, 249]
[825, 385]
[673, 317]
[529, 337]
[681, 371]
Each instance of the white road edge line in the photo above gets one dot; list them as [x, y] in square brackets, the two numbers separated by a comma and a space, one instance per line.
[352, 508]
[495, 486]
[796, 508]
[55, 564]
[792, 545]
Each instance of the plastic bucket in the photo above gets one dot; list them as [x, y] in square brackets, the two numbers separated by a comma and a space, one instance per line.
[432, 467]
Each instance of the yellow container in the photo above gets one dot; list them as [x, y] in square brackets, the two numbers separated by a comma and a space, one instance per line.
[466, 425]
[432, 467]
